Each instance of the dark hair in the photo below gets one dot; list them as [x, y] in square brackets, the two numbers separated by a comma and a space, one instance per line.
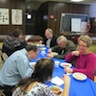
[43, 70]
[17, 32]
[30, 47]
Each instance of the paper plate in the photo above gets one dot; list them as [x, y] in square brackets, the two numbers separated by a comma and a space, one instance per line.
[40, 45]
[56, 90]
[79, 76]
[32, 64]
[65, 64]
[54, 53]
[43, 48]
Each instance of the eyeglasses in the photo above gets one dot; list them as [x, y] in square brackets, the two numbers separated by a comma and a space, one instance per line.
[82, 45]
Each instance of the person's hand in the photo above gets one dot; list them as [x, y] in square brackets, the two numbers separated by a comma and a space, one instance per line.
[66, 79]
[27, 37]
[50, 50]
[40, 41]
[68, 70]
[76, 53]
[50, 55]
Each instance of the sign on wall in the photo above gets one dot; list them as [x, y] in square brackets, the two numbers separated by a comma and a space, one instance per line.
[4, 16]
[75, 24]
[68, 24]
[16, 17]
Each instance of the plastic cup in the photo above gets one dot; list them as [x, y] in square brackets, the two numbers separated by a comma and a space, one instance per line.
[57, 64]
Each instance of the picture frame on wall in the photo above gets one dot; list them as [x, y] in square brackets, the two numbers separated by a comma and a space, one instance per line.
[16, 17]
[4, 16]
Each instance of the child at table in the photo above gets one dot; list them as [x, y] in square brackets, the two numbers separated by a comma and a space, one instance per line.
[34, 85]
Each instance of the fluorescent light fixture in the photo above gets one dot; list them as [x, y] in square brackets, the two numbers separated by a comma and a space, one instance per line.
[77, 0]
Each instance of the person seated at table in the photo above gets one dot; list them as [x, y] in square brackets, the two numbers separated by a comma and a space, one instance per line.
[50, 39]
[13, 42]
[34, 85]
[17, 67]
[63, 48]
[84, 58]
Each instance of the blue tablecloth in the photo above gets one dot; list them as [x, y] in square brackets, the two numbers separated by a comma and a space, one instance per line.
[77, 88]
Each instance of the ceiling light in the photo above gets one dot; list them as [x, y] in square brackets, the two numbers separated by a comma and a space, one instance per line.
[77, 0]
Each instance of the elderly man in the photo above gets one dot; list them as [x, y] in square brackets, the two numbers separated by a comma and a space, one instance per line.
[17, 67]
[63, 48]
[50, 39]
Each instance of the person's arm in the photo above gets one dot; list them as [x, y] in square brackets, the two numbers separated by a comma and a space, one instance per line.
[22, 45]
[70, 57]
[90, 67]
[23, 67]
[55, 48]
[66, 85]
[61, 56]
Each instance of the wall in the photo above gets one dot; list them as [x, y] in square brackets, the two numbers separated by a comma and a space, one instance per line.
[55, 9]
[93, 18]
[42, 19]
[12, 4]
[52, 10]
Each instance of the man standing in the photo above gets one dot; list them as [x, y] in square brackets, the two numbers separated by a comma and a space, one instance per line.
[63, 48]
[17, 67]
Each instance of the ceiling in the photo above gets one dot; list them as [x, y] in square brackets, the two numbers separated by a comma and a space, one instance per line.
[83, 2]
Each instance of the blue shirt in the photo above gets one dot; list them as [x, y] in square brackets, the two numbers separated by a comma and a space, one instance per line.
[15, 68]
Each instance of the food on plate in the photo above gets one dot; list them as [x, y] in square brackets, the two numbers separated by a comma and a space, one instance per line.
[79, 76]
[65, 64]
[32, 64]
[56, 90]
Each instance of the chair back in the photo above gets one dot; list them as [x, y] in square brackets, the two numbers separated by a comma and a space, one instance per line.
[3, 58]
[1, 93]
[1, 61]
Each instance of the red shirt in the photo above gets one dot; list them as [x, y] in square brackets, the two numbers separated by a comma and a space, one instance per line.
[84, 63]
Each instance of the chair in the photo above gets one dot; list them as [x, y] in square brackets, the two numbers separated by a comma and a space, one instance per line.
[3, 58]
[1, 61]
[1, 93]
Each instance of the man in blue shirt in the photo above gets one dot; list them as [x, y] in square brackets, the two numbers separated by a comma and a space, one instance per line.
[17, 67]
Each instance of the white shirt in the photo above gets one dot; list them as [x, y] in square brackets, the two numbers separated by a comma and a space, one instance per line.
[48, 43]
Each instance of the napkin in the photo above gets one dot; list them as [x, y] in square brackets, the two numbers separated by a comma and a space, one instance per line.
[58, 81]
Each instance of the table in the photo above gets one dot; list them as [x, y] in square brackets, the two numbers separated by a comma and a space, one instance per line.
[77, 88]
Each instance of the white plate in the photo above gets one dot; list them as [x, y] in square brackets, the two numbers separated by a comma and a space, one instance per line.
[56, 90]
[79, 76]
[54, 53]
[43, 48]
[65, 64]
[32, 64]
[40, 45]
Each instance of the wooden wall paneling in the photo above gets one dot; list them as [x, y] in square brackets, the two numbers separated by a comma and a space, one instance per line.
[41, 23]
[57, 8]
[12, 4]
[18, 4]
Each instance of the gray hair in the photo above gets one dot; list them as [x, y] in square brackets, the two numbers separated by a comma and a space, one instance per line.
[61, 39]
[86, 39]
[50, 30]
